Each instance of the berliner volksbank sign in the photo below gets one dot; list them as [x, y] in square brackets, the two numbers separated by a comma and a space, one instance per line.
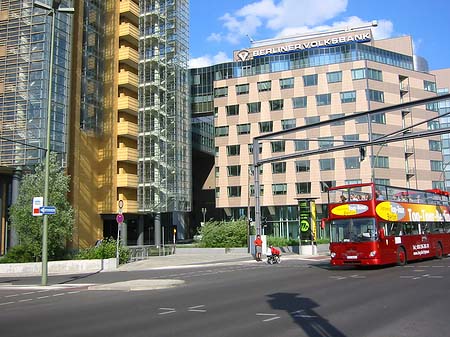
[244, 55]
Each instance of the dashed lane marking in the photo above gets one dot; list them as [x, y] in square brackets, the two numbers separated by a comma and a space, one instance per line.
[196, 308]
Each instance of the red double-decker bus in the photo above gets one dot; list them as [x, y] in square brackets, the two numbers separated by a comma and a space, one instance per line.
[377, 224]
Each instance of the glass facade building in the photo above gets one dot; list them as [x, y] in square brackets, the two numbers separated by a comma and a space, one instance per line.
[24, 74]
[164, 138]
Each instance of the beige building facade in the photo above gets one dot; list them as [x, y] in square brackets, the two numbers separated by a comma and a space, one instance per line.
[276, 86]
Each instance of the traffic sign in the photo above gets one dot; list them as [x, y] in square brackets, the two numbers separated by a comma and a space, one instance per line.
[119, 218]
[37, 204]
[48, 209]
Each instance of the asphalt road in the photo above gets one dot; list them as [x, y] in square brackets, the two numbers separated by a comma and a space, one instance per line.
[295, 298]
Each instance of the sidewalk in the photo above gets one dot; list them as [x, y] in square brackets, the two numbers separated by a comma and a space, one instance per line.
[190, 259]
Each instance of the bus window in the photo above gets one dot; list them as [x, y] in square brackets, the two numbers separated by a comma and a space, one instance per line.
[394, 228]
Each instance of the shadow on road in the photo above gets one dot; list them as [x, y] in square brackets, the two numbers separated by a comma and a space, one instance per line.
[301, 309]
[78, 277]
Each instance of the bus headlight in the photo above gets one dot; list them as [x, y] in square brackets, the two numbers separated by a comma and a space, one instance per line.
[373, 253]
[333, 255]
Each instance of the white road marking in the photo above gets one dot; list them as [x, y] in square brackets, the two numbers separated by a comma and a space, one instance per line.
[6, 303]
[74, 292]
[41, 297]
[60, 294]
[299, 313]
[272, 317]
[196, 308]
[26, 300]
[169, 311]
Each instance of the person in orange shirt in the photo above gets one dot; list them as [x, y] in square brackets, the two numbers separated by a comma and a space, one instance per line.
[258, 247]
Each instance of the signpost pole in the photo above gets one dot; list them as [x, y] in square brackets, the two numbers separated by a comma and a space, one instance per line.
[119, 219]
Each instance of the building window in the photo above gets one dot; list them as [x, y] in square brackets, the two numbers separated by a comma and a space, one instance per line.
[372, 74]
[429, 86]
[243, 129]
[252, 190]
[335, 116]
[432, 106]
[221, 131]
[381, 162]
[301, 145]
[286, 83]
[348, 96]
[264, 86]
[312, 120]
[242, 89]
[276, 105]
[350, 139]
[435, 145]
[433, 125]
[234, 191]
[279, 189]
[302, 166]
[233, 150]
[217, 171]
[303, 188]
[217, 192]
[438, 185]
[287, 124]
[278, 146]
[309, 80]
[279, 167]
[299, 102]
[250, 148]
[379, 118]
[221, 92]
[326, 184]
[326, 142]
[326, 164]
[234, 170]
[381, 181]
[216, 111]
[216, 151]
[265, 127]
[436, 165]
[334, 77]
[352, 163]
[254, 107]
[324, 99]
[353, 181]
[232, 110]
[375, 95]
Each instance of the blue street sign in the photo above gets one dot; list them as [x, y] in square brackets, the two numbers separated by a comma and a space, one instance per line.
[48, 209]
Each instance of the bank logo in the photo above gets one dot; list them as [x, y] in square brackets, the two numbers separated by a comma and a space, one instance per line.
[243, 55]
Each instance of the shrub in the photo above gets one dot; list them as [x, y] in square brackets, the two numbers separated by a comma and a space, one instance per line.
[18, 254]
[224, 234]
[105, 250]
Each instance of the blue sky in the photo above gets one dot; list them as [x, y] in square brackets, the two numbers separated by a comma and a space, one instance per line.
[220, 26]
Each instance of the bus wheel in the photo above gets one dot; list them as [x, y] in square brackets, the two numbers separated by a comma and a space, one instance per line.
[439, 251]
[401, 256]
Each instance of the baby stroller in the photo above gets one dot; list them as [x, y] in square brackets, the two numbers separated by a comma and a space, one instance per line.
[273, 255]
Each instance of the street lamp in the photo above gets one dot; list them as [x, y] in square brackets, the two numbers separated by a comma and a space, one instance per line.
[51, 11]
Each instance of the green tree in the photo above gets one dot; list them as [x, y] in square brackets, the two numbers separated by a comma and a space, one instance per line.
[60, 225]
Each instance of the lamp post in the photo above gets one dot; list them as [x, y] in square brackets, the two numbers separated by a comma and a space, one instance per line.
[51, 11]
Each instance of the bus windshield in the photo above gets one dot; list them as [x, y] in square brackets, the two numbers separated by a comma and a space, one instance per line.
[353, 230]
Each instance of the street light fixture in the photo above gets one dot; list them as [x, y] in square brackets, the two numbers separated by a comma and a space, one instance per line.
[51, 11]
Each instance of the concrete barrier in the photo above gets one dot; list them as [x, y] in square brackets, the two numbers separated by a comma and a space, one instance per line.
[59, 267]
[211, 251]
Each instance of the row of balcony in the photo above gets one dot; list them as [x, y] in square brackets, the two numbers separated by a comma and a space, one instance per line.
[129, 56]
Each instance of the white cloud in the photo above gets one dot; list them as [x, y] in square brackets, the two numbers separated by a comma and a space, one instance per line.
[382, 31]
[207, 60]
[215, 37]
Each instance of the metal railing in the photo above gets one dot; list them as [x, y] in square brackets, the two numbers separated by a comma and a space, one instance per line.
[138, 253]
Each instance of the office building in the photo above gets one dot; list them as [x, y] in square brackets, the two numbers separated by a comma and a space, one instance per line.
[276, 85]
[114, 146]
[443, 87]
